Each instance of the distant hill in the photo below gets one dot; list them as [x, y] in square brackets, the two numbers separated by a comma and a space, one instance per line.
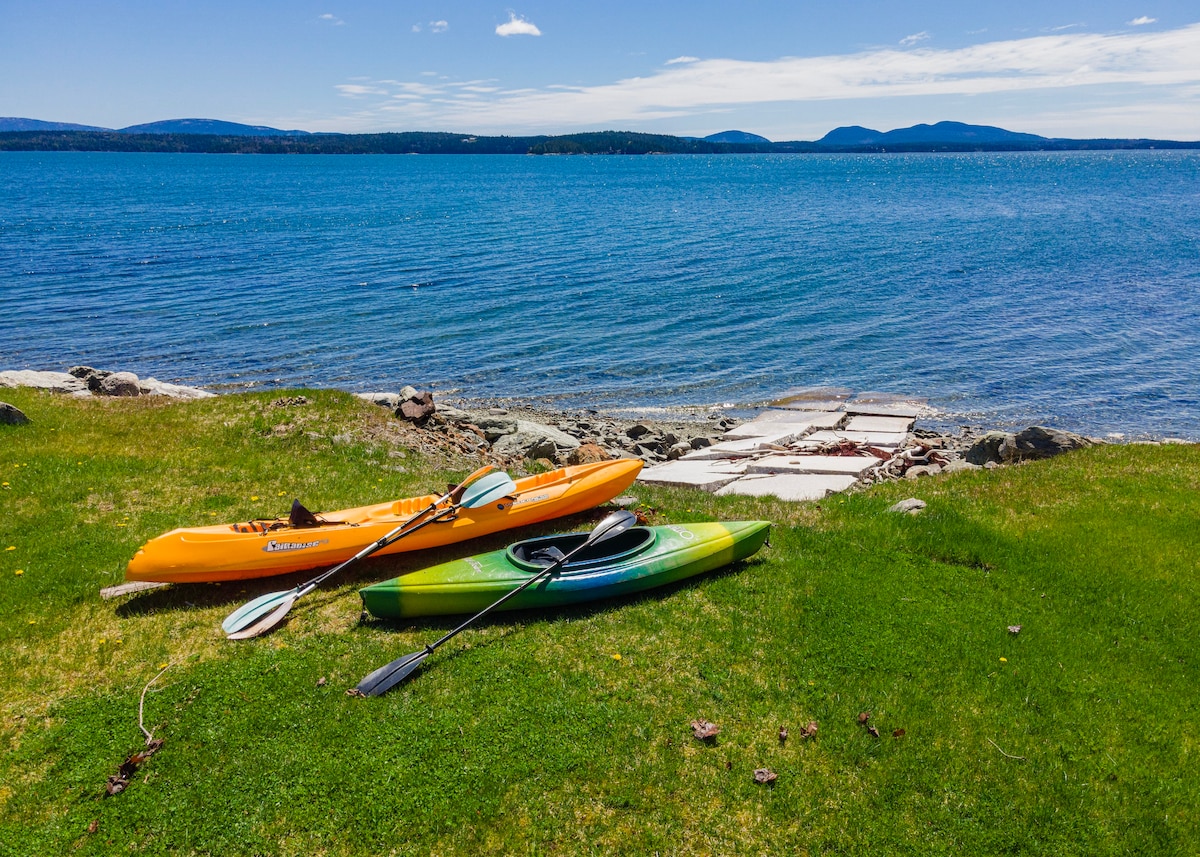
[214, 136]
[735, 137]
[851, 135]
[13, 123]
[209, 126]
[951, 133]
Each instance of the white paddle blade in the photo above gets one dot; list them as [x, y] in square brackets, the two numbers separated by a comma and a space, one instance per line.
[266, 623]
[253, 610]
[488, 489]
[455, 496]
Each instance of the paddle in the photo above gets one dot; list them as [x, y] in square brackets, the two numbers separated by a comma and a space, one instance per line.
[266, 611]
[388, 676]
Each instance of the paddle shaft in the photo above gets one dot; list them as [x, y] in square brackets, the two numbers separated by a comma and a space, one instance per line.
[389, 675]
[247, 621]
[399, 532]
[545, 572]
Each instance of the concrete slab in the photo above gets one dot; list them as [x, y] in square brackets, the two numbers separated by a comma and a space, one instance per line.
[874, 438]
[884, 424]
[789, 486]
[885, 409]
[705, 475]
[809, 405]
[843, 465]
[781, 430]
[739, 447]
[829, 420]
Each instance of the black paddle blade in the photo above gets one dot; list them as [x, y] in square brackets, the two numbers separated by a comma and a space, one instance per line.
[389, 675]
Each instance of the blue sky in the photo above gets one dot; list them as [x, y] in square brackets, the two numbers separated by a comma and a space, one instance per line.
[788, 71]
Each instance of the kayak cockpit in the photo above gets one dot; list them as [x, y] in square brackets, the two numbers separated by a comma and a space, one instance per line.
[535, 554]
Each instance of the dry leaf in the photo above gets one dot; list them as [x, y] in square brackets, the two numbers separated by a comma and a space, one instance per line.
[810, 730]
[94, 826]
[783, 733]
[864, 717]
[898, 733]
[705, 730]
[874, 732]
[1014, 629]
[762, 776]
[321, 681]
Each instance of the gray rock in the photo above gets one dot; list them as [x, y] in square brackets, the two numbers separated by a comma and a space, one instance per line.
[495, 426]
[987, 448]
[1037, 442]
[120, 384]
[533, 440]
[678, 451]
[960, 466]
[912, 506]
[55, 382]
[637, 430]
[391, 401]
[11, 415]
[155, 387]
[455, 415]
[922, 470]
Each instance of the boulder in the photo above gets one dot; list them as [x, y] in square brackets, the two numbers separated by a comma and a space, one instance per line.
[960, 466]
[679, 450]
[922, 470]
[384, 400]
[119, 384]
[55, 382]
[987, 448]
[1037, 442]
[495, 426]
[912, 506]
[11, 415]
[155, 387]
[533, 440]
[587, 453]
[417, 408]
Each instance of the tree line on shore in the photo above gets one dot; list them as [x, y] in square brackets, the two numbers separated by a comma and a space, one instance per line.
[439, 143]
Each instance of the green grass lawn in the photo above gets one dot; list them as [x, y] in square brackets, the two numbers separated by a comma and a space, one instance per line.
[528, 734]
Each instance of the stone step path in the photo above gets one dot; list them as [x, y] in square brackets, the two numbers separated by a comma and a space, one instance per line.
[784, 451]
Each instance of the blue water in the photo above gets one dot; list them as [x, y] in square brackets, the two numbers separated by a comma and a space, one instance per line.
[1008, 289]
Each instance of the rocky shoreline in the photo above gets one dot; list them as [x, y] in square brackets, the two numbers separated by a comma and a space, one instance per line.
[514, 435]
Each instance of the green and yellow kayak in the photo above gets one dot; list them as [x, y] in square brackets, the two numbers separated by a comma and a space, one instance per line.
[638, 559]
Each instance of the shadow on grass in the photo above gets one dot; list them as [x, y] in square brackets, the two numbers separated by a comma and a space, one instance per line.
[201, 596]
[567, 613]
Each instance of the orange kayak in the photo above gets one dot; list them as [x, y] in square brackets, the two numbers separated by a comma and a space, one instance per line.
[265, 548]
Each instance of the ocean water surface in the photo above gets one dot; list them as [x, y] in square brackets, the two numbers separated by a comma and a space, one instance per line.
[1006, 288]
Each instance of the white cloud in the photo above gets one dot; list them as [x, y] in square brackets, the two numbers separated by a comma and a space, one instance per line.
[438, 26]
[332, 19]
[915, 38]
[679, 60]
[1143, 20]
[1144, 67]
[517, 26]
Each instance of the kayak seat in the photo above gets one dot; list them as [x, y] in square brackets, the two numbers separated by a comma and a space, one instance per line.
[534, 554]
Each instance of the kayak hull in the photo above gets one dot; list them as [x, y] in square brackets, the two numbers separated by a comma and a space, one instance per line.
[646, 558]
[242, 552]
